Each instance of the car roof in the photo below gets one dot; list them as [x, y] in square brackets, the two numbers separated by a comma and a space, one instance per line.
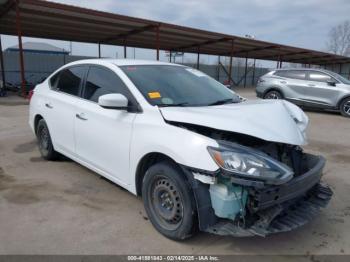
[120, 62]
[302, 69]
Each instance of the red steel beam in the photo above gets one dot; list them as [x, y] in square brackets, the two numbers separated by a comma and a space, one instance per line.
[198, 50]
[157, 41]
[21, 59]
[125, 48]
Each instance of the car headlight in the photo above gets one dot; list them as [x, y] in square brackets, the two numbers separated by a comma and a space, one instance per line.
[249, 163]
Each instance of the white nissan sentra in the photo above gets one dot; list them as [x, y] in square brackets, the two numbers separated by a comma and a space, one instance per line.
[199, 155]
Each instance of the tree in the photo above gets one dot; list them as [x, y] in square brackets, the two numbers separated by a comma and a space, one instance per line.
[339, 39]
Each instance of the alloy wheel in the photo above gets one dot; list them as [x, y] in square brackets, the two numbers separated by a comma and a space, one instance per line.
[346, 107]
[273, 95]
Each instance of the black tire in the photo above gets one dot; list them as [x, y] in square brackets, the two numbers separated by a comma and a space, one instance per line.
[345, 107]
[44, 141]
[169, 202]
[273, 94]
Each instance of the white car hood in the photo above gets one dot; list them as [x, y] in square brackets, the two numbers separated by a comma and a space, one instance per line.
[270, 120]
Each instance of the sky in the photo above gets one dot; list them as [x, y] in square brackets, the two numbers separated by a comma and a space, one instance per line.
[301, 23]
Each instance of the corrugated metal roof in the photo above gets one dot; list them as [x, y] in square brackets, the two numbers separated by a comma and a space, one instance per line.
[65, 22]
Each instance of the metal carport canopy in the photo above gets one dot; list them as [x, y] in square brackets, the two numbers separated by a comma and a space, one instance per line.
[51, 20]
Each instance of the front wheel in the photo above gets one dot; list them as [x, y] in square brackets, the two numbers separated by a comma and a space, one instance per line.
[345, 107]
[273, 95]
[168, 201]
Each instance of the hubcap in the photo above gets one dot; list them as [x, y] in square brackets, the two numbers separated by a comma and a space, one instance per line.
[346, 107]
[166, 203]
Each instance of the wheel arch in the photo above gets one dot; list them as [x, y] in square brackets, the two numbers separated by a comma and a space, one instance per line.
[342, 99]
[274, 88]
[37, 118]
[205, 213]
[146, 162]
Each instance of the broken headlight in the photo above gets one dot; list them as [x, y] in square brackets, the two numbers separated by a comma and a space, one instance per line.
[249, 163]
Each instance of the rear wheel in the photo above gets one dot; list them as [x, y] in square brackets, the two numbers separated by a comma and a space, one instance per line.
[44, 141]
[168, 201]
[273, 94]
[345, 107]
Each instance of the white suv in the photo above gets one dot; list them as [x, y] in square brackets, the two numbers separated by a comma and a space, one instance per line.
[200, 157]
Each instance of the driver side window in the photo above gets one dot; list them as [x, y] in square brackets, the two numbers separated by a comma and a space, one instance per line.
[102, 81]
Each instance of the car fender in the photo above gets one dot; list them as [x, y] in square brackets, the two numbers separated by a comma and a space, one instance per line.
[340, 100]
[151, 134]
[276, 88]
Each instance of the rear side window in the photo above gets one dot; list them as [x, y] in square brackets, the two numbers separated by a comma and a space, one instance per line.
[319, 77]
[101, 81]
[68, 80]
[294, 74]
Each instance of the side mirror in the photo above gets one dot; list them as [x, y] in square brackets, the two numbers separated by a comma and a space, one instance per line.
[331, 83]
[113, 101]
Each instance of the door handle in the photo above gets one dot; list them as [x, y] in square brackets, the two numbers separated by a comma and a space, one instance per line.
[283, 82]
[311, 85]
[81, 116]
[48, 105]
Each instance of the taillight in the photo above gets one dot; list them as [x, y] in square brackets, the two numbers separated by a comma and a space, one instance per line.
[30, 94]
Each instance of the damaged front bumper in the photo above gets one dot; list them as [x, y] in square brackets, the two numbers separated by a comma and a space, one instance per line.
[281, 217]
[268, 208]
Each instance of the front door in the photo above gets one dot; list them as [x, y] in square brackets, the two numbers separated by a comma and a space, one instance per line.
[319, 92]
[103, 135]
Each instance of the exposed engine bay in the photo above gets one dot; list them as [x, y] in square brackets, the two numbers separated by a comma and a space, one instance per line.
[244, 206]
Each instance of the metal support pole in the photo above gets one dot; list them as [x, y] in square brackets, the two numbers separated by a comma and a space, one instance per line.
[281, 64]
[170, 56]
[245, 71]
[21, 59]
[125, 48]
[99, 50]
[340, 69]
[253, 77]
[230, 66]
[218, 69]
[197, 58]
[157, 41]
[2, 65]
[277, 65]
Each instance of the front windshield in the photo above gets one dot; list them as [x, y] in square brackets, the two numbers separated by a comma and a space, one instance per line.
[167, 85]
[339, 77]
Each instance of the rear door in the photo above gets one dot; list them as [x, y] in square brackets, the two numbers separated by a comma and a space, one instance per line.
[103, 135]
[319, 93]
[294, 85]
[60, 106]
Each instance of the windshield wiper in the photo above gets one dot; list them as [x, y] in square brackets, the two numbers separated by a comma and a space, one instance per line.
[170, 105]
[221, 102]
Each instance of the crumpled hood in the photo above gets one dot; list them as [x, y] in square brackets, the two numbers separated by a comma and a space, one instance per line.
[271, 120]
